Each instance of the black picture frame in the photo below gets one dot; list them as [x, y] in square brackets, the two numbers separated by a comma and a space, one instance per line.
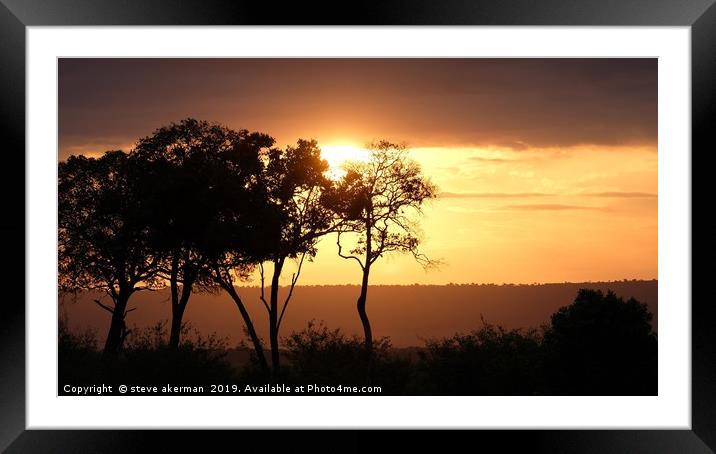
[699, 15]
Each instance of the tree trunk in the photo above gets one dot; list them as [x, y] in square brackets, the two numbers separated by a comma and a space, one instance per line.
[174, 290]
[178, 308]
[273, 316]
[367, 332]
[258, 348]
[116, 329]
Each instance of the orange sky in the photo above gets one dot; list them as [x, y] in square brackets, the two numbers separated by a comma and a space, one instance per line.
[547, 168]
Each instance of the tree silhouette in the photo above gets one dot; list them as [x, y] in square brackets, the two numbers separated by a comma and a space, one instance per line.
[297, 217]
[200, 179]
[104, 242]
[601, 345]
[376, 200]
[245, 232]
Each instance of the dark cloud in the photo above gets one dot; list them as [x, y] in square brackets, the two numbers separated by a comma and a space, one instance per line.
[513, 103]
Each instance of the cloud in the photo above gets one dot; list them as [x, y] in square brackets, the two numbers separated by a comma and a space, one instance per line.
[495, 195]
[623, 195]
[553, 207]
[515, 104]
[493, 160]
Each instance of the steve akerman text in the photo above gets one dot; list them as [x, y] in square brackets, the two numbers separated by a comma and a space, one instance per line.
[109, 389]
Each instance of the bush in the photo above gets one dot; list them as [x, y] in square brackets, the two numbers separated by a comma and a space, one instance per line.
[318, 355]
[77, 356]
[601, 345]
[145, 359]
[488, 361]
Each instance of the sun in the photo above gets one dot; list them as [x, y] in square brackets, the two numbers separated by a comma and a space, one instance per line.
[337, 155]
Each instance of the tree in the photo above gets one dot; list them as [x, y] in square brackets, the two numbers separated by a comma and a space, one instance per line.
[246, 240]
[103, 235]
[296, 218]
[376, 201]
[601, 345]
[200, 180]
[288, 217]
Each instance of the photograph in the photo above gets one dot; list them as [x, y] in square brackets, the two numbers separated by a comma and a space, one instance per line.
[357, 226]
[470, 219]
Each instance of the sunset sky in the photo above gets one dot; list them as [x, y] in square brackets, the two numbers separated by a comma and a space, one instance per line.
[547, 168]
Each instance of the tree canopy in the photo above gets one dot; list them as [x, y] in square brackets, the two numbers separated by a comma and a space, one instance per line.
[377, 201]
[203, 183]
[103, 239]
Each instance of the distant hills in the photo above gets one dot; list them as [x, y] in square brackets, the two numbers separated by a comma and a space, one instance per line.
[407, 314]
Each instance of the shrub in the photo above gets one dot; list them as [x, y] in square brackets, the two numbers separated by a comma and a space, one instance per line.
[319, 355]
[488, 361]
[77, 355]
[145, 359]
[601, 345]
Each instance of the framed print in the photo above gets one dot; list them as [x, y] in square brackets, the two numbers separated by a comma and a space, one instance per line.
[473, 218]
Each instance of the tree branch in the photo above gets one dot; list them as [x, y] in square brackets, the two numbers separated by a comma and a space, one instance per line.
[424, 261]
[263, 295]
[340, 252]
[294, 279]
[107, 308]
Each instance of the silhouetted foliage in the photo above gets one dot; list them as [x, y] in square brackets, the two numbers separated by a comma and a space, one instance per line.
[201, 181]
[295, 184]
[488, 361]
[601, 345]
[78, 358]
[376, 199]
[145, 359]
[198, 360]
[324, 356]
[103, 239]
